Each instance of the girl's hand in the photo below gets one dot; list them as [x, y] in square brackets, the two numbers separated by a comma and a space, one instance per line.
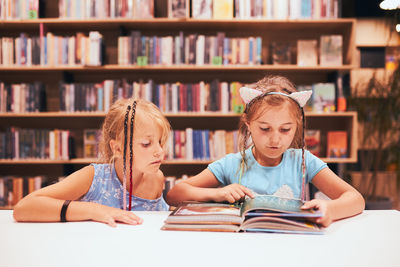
[110, 216]
[232, 193]
[323, 207]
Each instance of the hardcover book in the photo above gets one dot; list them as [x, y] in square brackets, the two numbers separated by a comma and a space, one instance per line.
[331, 47]
[178, 8]
[90, 141]
[281, 53]
[337, 144]
[307, 53]
[223, 9]
[202, 9]
[324, 97]
[313, 141]
[264, 213]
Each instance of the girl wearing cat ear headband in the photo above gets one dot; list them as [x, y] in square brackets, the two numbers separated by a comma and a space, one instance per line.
[272, 158]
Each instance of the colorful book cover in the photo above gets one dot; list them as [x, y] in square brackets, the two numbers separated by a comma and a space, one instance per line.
[202, 9]
[313, 141]
[223, 9]
[307, 53]
[331, 49]
[337, 144]
[281, 53]
[392, 57]
[323, 97]
[90, 141]
[178, 8]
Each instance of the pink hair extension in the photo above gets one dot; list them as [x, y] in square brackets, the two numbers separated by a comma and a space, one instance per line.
[131, 153]
[124, 157]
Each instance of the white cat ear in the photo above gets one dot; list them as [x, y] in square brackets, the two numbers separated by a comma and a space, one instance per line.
[248, 94]
[301, 97]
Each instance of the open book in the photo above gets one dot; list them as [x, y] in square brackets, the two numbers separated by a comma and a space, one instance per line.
[264, 213]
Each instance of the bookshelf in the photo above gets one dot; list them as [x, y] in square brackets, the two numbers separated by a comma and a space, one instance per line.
[267, 29]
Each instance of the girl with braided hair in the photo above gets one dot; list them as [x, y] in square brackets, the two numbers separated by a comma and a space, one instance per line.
[272, 158]
[127, 177]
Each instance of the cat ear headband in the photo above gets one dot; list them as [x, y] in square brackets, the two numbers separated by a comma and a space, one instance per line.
[249, 94]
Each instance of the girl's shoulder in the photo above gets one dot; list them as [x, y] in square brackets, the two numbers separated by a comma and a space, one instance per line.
[102, 169]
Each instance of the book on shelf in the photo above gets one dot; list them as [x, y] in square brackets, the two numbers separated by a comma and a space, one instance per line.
[313, 141]
[331, 50]
[307, 53]
[178, 8]
[223, 9]
[324, 97]
[337, 144]
[91, 138]
[202, 9]
[263, 213]
[281, 53]
[392, 57]
[144, 8]
[14, 188]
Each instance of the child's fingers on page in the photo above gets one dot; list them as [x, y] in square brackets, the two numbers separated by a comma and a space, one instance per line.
[310, 204]
[230, 198]
[247, 191]
[240, 192]
[236, 195]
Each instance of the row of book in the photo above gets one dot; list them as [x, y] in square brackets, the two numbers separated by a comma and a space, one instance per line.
[19, 9]
[52, 50]
[192, 49]
[200, 9]
[192, 144]
[17, 143]
[196, 49]
[101, 9]
[169, 97]
[188, 144]
[13, 188]
[22, 97]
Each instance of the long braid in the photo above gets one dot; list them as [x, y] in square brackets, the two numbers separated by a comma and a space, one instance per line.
[303, 162]
[124, 157]
[131, 153]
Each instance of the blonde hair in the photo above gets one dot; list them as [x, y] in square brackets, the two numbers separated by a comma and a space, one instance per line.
[113, 126]
[256, 108]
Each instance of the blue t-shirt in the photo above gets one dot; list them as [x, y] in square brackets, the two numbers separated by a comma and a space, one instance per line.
[106, 189]
[283, 180]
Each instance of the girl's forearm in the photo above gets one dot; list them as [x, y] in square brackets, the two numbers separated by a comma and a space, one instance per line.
[47, 209]
[348, 204]
[186, 192]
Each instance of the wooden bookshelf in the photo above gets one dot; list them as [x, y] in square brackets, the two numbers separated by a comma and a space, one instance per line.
[281, 30]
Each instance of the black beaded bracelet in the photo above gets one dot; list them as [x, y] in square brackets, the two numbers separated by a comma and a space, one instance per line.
[64, 210]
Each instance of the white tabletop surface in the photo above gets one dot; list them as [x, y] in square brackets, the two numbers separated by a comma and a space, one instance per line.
[369, 239]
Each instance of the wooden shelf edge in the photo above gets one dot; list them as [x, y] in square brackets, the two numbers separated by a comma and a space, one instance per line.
[174, 21]
[168, 115]
[116, 67]
[166, 162]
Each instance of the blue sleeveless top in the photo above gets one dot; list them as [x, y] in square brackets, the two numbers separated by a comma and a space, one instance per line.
[106, 189]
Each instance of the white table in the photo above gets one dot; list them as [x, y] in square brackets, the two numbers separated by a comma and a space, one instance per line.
[369, 239]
